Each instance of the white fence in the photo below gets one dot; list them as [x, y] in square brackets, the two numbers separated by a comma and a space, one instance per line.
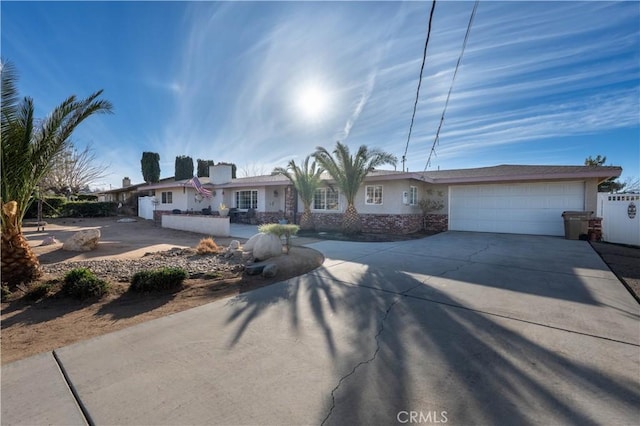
[620, 219]
[146, 207]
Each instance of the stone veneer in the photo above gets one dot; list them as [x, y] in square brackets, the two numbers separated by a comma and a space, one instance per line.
[372, 223]
[269, 217]
[157, 215]
[436, 222]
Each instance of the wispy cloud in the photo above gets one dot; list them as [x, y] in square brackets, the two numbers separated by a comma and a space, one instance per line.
[223, 85]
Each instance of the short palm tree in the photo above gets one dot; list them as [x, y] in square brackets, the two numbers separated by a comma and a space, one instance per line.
[349, 172]
[27, 150]
[305, 179]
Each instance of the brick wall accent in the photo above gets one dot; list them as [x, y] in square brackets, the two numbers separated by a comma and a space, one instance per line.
[289, 202]
[436, 222]
[268, 217]
[372, 223]
[391, 223]
[325, 221]
[157, 215]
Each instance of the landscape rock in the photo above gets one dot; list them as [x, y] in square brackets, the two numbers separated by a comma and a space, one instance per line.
[255, 268]
[85, 240]
[270, 270]
[267, 246]
[250, 244]
[48, 241]
[237, 254]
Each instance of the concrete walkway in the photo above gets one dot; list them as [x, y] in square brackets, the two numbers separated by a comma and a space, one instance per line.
[239, 230]
[458, 328]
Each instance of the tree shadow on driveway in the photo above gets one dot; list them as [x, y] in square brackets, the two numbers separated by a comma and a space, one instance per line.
[401, 342]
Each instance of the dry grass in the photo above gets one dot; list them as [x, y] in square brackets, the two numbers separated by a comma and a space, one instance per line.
[207, 246]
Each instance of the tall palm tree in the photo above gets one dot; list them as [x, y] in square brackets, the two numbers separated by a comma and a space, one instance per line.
[349, 172]
[27, 150]
[306, 179]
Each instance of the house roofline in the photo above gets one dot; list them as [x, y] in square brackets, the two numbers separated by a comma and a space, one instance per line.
[483, 175]
[525, 177]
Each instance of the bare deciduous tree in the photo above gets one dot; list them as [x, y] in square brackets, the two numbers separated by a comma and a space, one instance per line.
[73, 170]
[254, 169]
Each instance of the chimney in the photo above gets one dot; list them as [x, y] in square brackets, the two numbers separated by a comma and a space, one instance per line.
[126, 182]
[220, 173]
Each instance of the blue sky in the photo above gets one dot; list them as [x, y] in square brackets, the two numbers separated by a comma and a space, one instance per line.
[260, 83]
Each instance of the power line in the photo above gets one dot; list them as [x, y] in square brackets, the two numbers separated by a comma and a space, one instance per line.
[415, 104]
[464, 45]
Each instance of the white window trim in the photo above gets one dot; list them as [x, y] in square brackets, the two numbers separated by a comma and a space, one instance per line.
[235, 198]
[413, 190]
[326, 190]
[166, 197]
[366, 190]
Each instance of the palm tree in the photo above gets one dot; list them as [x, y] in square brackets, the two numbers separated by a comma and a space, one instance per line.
[305, 179]
[28, 148]
[349, 173]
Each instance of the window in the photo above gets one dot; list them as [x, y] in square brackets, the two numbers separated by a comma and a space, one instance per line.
[247, 199]
[167, 197]
[373, 194]
[325, 199]
[413, 195]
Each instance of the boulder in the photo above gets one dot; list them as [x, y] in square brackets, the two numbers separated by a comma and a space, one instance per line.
[270, 270]
[49, 241]
[236, 254]
[267, 246]
[248, 246]
[85, 240]
[255, 268]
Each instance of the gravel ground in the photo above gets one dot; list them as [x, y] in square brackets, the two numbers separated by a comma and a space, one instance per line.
[624, 261]
[123, 269]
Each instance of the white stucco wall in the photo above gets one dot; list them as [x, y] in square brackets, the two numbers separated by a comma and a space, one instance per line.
[591, 195]
[392, 202]
[208, 225]
[273, 203]
[179, 199]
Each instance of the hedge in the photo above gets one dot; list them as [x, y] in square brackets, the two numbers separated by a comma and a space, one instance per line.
[89, 209]
[60, 207]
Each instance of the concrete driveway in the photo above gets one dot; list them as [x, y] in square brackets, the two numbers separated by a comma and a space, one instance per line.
[458, 328]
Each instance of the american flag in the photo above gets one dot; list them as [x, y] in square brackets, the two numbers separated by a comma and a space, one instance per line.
[195, 182]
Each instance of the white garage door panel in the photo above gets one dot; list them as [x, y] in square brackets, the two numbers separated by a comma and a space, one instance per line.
[533, 208]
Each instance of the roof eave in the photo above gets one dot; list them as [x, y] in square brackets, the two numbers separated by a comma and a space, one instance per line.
[530, 177]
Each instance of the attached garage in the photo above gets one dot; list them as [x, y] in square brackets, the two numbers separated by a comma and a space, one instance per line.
[516, 208]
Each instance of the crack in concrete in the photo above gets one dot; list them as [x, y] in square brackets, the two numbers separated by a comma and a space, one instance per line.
[468, 260]
[361, 363]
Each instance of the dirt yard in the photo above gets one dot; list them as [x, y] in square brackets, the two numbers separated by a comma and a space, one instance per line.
[33, 326]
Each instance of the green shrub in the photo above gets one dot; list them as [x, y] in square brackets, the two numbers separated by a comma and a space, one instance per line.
[89, 209]
[38, 291]
[5, 294]
[158, 280]
[87, 197]
[51, 207]
[279, 231]
[81, 283]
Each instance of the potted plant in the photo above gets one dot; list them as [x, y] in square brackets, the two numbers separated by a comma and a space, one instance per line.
[283, 220]
[223, 210]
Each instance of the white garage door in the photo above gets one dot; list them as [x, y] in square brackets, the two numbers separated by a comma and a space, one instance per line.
[519, 208]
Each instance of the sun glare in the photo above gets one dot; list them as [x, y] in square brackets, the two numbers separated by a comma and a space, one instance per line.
[312, 102]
